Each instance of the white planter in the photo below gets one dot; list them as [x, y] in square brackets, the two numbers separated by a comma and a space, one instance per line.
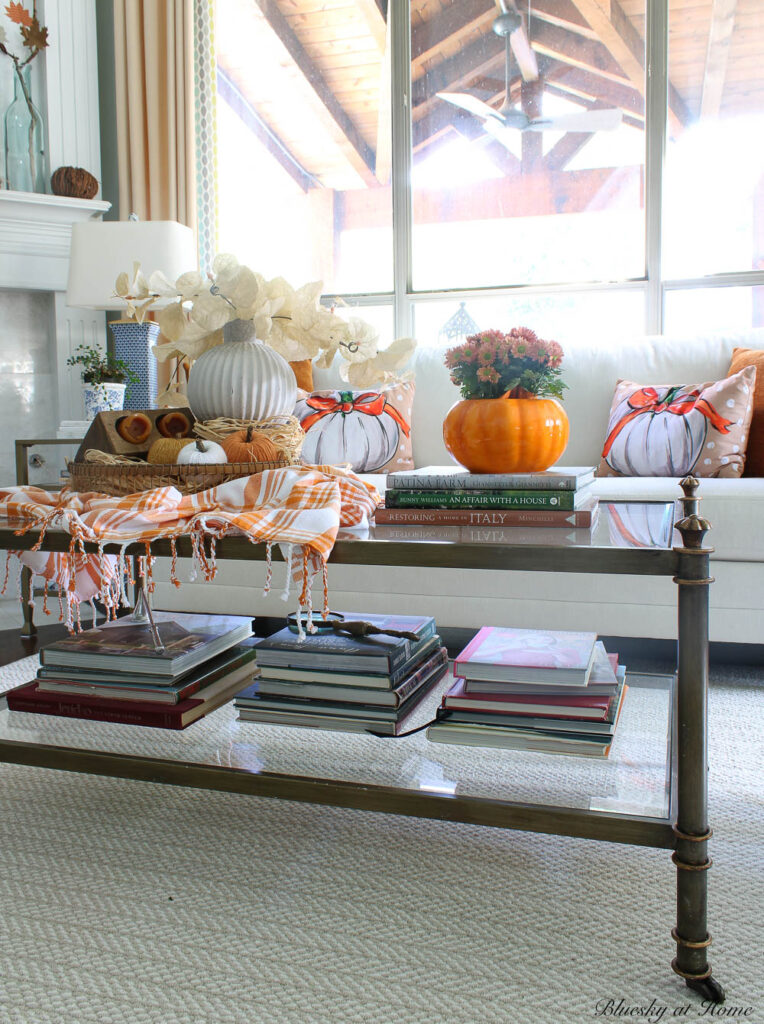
[102, 398]
[242, 378]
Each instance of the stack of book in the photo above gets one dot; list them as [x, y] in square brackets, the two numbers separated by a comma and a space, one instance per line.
[114, 673]
[445, 496]
[332, 681]
[526, 689]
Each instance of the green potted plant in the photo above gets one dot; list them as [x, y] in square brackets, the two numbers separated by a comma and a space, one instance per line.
[105, 379]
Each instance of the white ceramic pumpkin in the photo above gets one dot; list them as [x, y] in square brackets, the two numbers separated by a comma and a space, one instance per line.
[201, 453]
[654, 433]
[242, 378]
[347, 426]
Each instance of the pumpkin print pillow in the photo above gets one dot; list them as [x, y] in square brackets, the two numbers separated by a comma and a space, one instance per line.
[672, 430]
[370, 430]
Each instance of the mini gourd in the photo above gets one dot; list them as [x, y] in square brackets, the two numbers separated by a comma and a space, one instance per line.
[201, 453]
[165, 450]
[250, 446]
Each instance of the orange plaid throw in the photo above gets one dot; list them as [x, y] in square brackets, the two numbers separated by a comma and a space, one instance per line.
[300, 508]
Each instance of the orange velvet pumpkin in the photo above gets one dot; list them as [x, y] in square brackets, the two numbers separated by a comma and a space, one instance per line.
[250, 446]
[174, 424]
[506, 435]
[134, 428]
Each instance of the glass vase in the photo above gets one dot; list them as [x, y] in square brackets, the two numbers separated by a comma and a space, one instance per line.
[25, 158]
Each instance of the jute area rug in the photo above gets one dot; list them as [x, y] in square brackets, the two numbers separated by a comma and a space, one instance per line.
[132, 903]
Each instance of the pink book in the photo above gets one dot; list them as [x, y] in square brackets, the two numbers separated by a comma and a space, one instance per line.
[572, 706]
[528, 656]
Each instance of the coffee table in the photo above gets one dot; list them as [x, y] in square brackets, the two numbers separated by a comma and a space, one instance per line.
[652, 790]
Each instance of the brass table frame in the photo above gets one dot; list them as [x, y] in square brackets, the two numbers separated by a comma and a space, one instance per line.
[685, 831]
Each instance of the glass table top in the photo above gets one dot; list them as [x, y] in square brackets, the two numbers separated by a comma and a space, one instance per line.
[628, 527]
[633, 780]
[620, 524]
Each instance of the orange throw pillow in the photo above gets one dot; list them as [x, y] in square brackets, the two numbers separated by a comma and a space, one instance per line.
[754, 457]
[303, 371]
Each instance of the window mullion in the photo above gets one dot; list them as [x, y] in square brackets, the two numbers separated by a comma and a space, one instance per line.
[399, 11]
[656, 123]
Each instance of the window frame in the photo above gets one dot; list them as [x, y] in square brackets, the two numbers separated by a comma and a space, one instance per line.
[403, 298]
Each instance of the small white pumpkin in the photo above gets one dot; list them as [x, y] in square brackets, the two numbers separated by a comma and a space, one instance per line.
[201, 453]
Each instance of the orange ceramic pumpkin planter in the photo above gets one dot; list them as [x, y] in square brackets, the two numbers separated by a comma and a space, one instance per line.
[509, 419]
[506, 435]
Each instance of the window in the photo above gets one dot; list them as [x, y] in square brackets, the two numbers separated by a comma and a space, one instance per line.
[529, 184]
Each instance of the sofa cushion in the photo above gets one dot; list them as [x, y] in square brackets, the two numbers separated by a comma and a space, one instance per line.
[590, 371]
[672, 430]
[754, 456]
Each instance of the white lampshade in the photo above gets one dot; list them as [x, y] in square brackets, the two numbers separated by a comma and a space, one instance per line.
[101, 250]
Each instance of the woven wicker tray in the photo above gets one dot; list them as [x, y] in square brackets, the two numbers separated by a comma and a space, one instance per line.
[125, 479]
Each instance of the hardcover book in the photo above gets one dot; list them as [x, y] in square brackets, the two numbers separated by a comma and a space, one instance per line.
[582, 518]
[253, 700]
[29, 697]
[128, 687]
[269, 687]
[365, 680]
[129, 646]
[442, 478]
[485, 499]
[528, 656]
[602, 682]
[574, 705]
[334, 651]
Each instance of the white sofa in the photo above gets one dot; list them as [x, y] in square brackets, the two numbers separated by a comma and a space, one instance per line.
[612, 605]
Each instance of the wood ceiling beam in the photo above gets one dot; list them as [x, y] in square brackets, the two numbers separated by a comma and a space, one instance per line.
[616, 31]
[717, 56]
[451, 24]
[560, 155]
[233, 97]
[454, 73]
[595, 90]
[532, 143]
[577, 51]
[563, 14]
[374, 19]
[360, 154]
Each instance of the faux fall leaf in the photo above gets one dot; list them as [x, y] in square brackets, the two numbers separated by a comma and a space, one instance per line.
[19, 15]
[35, 35]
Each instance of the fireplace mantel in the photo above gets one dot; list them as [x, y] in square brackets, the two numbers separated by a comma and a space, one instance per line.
[35, 233]
[35, 236]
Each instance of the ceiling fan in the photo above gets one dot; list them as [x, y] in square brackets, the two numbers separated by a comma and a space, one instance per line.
[509, 26]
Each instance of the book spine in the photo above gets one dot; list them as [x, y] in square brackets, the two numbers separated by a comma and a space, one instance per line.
[481, 499]
[97, 713]
[483, 482]
[415, 681]
[577, 519]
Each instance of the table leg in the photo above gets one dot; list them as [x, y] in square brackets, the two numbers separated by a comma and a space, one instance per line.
[692, 831]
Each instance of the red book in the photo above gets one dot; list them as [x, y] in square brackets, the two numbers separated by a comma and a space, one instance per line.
[582, 518]
[28, 697]
[573, 707]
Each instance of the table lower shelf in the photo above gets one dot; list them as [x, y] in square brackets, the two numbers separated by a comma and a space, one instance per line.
[624, 798]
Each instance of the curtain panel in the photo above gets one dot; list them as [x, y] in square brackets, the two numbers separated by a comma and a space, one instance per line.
[154, 74]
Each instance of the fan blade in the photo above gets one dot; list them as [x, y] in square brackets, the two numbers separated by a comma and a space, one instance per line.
[471, 104]
[589, 121]
[524, 55]
[500, 132]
